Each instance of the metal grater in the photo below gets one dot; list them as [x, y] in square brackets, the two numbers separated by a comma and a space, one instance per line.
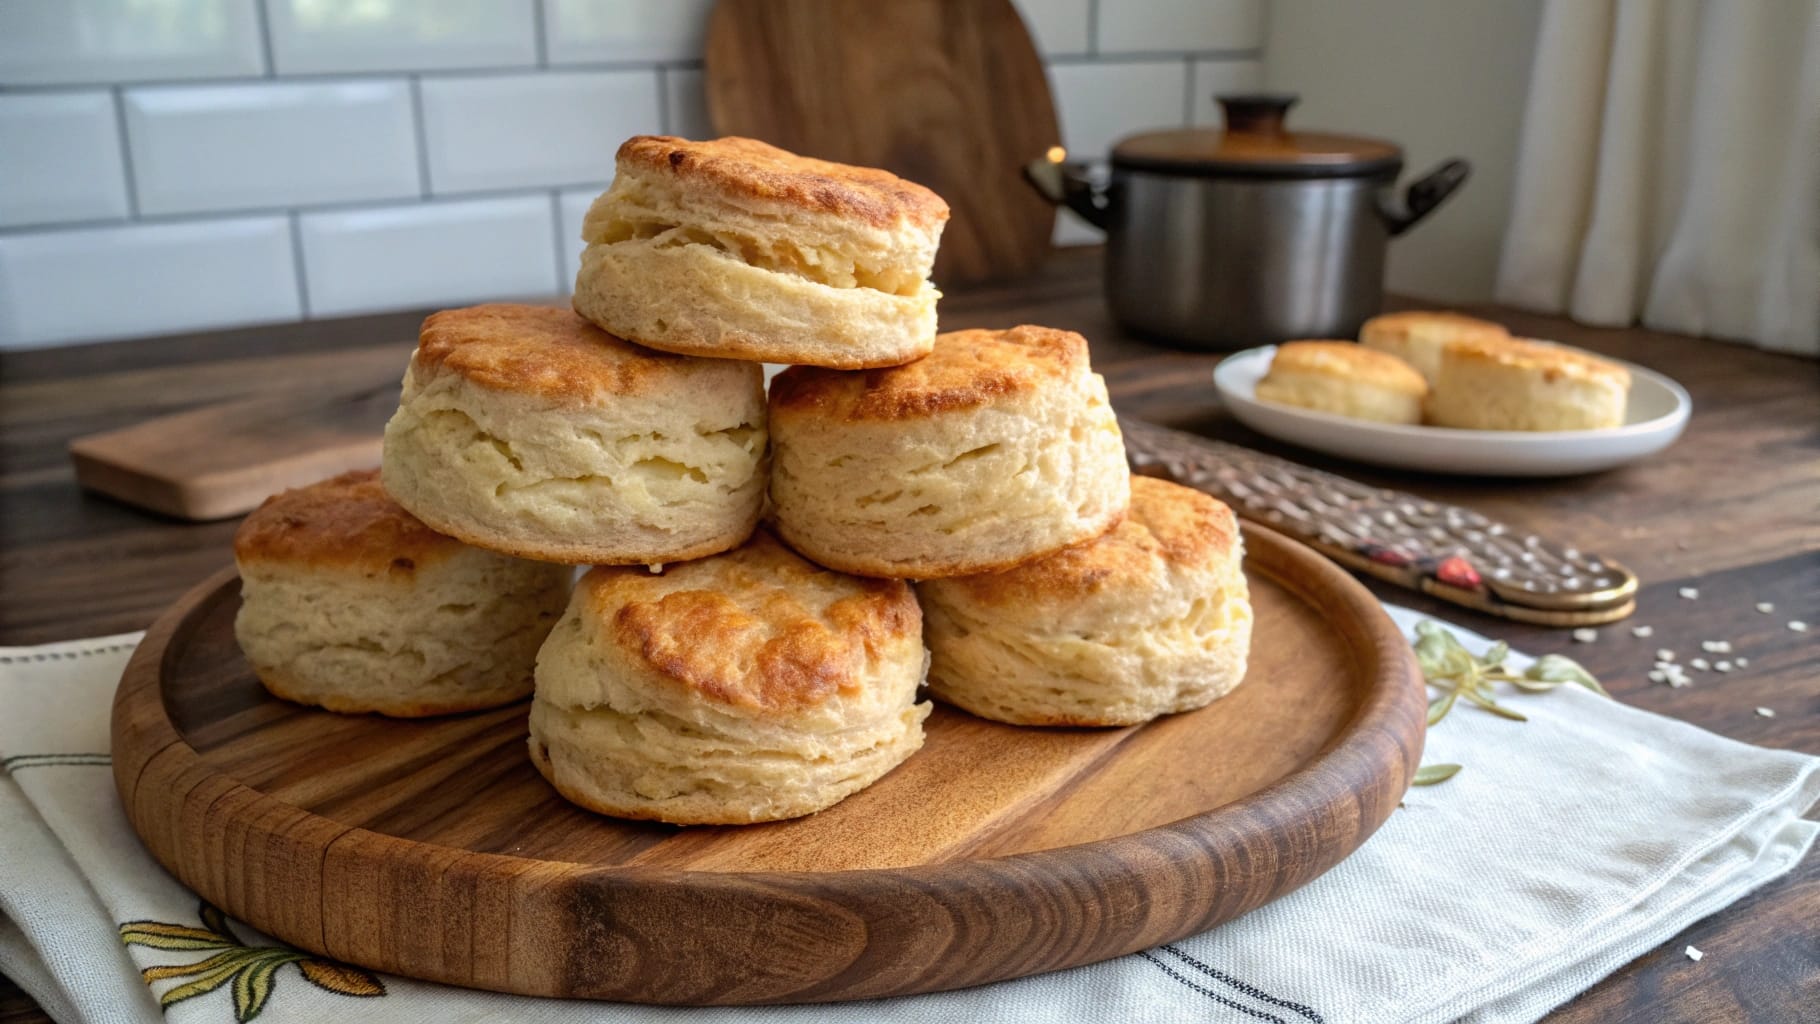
[1453, 553]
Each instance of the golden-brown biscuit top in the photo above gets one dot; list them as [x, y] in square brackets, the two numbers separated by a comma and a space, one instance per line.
[752, 170]
[966, 370]
[1422, 323]
[1554, 361]
[347, 521]
[1167, 525]
[546, 351]
[1351, 361]
[760, 628]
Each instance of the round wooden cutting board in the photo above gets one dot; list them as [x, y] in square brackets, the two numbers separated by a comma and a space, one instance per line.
[433, 849]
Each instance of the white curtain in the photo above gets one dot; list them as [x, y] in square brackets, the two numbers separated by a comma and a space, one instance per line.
[1669, 169]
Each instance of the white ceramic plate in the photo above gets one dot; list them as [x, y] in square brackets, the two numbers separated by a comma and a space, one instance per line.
[1658, 412]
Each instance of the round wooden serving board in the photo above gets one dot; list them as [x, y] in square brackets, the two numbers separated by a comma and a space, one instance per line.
[433, 849]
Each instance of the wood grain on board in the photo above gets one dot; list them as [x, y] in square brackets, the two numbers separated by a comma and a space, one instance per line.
[1729, 509]
[432, 848]
[223, 460]
[947, 93]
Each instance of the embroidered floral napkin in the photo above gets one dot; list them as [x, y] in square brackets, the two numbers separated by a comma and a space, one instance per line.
[1567, 847]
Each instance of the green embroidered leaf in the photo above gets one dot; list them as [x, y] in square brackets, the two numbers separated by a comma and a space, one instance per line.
[213, 918]
[159, 935]
[1493, 706]
[340, 978]
[253, 985]
[1440, 655]
[168, 971]
[1440, 706]
[252, 969]
[1558, 668]
[1449, 667]
[207, 982]
[1429, 774]
[1532, 685]
[1495, 654]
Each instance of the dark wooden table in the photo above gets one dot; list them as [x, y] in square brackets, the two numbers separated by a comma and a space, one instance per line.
[1733, 509]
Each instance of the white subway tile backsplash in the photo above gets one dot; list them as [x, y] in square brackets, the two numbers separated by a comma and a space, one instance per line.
[227, 147]
[1130, 26]
[59, 158]
[61, 41]
[428, 254]
[1102, 103]
[310, 36]
[686, 104]
[1212, 77]
[372, 165]
[1056, 26]
[572, 205]
[510, 131]
[114, 282]
[624, 30]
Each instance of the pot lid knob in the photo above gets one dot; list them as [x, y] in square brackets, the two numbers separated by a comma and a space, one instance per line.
[1256, 113]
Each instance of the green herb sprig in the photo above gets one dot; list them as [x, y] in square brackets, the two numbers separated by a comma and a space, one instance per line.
[1459, 674]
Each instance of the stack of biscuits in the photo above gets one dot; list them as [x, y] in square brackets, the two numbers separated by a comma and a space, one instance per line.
[943, 509]
[1448, 370]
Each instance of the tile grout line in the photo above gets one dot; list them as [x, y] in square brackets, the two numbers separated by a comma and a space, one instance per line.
[330, 77]
[540, 26]
[562, 255]
[303, 280]
[1115, 57]
[1263, 42]
[263, 17]
[126, 154]
[1093, 27]
[1188, 91]
[421, 134]
[338, 206]
[663, 102]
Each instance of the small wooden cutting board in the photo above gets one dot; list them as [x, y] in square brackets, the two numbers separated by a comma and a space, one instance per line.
[223, 460]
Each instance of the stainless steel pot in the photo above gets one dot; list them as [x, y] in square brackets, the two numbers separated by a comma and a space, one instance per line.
[1254, 235]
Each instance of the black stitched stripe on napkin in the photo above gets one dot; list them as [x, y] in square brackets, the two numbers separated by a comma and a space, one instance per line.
[1251, 990]
[18, 761]
[1210, 993]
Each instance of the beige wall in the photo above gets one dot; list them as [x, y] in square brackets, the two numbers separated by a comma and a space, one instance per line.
[1442, 78]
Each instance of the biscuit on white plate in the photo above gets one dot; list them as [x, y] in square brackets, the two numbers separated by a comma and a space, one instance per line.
[750, 686]
[1418, 337]
[530, 431]
[1345, 379]
[737, 249]
[1152, 618]
[997, 447]
[1524, 384]
[351, 603]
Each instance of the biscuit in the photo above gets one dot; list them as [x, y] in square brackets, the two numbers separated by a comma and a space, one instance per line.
[997, 447]
[1523, 384]
[529, 431]
[1418, 337]
[1344, 379]
[751, 686]
[1150, 619]
[737, 249]
[351, 603]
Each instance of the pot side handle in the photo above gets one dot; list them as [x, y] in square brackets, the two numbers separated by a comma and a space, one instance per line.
[1426, 193]
[1065, 185]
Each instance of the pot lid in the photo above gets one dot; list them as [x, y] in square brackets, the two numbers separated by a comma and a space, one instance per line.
[1257, 143]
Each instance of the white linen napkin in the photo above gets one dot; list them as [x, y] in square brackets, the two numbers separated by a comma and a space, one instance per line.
[1568, 846]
